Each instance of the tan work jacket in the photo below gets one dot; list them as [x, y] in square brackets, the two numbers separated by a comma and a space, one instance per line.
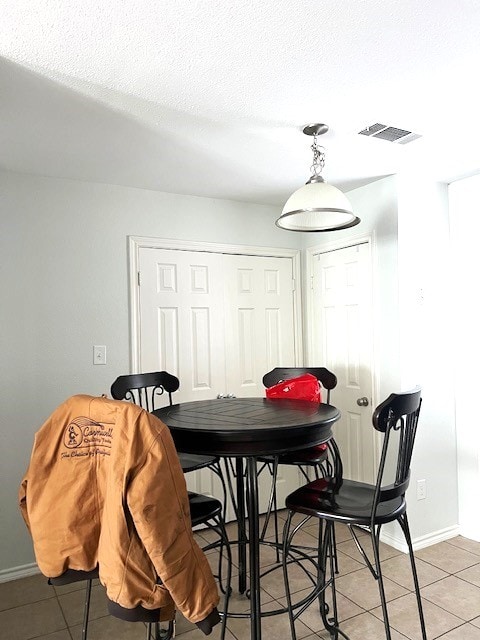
[105, 488]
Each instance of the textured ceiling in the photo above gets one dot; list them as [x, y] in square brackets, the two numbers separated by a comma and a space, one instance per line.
[209, 97]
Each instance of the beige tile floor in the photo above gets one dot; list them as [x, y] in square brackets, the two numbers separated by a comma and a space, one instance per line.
[449, 574]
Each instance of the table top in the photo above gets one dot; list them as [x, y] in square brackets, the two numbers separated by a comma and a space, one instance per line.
[248, 426]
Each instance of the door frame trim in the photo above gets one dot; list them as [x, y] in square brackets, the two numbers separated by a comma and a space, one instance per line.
[136, 243]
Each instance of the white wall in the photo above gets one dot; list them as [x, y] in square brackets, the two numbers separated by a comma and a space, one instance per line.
[464, 196]
[425, 303]
[64, 289]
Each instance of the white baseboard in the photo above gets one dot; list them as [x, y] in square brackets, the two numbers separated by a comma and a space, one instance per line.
[422, 541]
[25, 570]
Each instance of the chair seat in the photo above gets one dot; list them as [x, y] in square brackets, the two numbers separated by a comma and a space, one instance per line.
[193, 461]
[202, 507]
[312, 456]
[350, 502]
[73, 575]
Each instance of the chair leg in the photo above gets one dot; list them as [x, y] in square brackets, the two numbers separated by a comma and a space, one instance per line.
[375, 534]
[327, 563]
[275, 517]
[217, 470]
[334, 541]
[86, 609]
[155, 632]
[271, 498]
[217, 524]
[406, 531]
[287, 540]
[230, 476]
[304, 471]
[324, 579]
[272, 506]
[228, 589]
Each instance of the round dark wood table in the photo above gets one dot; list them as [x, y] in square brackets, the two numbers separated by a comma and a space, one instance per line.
[245, 429]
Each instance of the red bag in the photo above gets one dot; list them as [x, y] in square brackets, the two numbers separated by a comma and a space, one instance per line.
[305, 387]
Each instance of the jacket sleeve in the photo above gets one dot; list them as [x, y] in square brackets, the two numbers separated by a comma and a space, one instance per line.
[158, 502]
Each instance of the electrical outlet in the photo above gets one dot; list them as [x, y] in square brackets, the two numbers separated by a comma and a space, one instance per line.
[421, 489]
[99, 354]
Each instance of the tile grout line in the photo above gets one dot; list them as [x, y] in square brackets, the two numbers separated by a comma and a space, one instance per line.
[69, 630]
[27, 604]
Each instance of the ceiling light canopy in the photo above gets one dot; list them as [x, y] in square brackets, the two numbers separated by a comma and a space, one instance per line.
[317, 206]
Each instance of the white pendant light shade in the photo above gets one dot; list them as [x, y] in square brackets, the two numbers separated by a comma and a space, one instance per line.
[317, 206]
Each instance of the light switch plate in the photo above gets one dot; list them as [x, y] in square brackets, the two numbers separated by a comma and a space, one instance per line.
[99, 354]
[421, 489]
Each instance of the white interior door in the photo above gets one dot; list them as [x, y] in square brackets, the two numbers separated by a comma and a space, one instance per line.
[218, 322]
[342, 341]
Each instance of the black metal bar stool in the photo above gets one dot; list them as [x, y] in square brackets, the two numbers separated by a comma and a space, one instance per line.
[144, 389]
[313, 458]
[358, 505]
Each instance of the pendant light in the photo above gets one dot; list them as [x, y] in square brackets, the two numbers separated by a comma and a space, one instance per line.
[317, 206]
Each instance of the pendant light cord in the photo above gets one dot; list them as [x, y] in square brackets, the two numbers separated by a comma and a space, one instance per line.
[318, 158]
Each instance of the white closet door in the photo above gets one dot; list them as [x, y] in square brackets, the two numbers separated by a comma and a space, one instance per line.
[218, 322]
[259, 320]
[181, 319]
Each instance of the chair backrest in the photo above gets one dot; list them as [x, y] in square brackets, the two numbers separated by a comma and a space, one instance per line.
[327, 379]
[397, 414]
[144, 388]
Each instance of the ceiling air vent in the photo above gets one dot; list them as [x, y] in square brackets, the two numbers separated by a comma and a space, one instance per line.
[392, 134]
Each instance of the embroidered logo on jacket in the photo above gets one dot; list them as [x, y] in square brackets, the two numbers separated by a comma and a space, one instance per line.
[85, 433]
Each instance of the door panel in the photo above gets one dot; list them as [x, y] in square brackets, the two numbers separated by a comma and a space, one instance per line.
[182, 330]
[343, 343]
[259, 322]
